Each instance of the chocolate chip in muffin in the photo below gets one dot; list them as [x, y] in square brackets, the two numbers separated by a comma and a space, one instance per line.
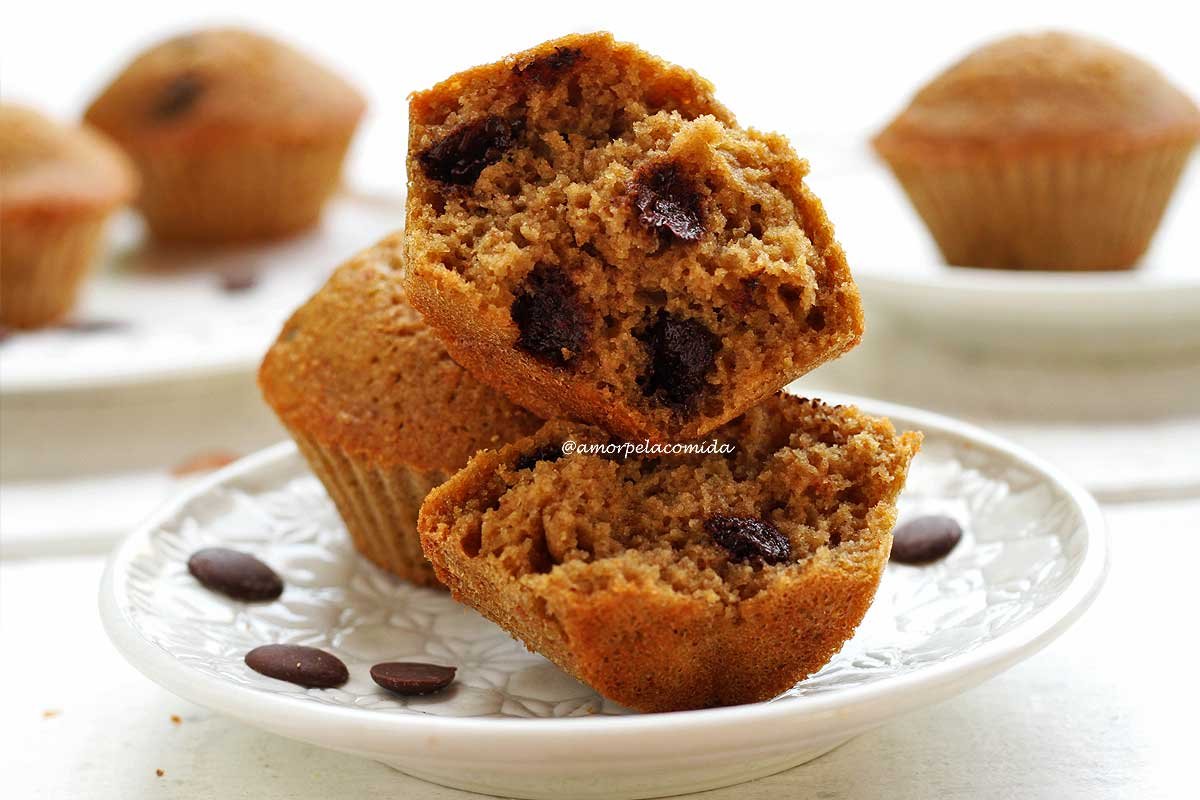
[749, 539]
[550, 317]
[235, 574]
[177, 97]
[303, 666]
[667, 201]
[682, 352]
[547, 452]
[412, 678]
[925, 539]
[469, 149]
[547, 70]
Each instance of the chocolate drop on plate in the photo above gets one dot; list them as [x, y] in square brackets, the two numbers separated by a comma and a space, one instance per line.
[235, 574]
[295, 663]
[925, 539]
[412, 678]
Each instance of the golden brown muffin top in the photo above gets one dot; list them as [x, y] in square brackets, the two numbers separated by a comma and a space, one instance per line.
[1042, 90]
[46, 167]
[658, 84]
[213, 85]
[356, 367]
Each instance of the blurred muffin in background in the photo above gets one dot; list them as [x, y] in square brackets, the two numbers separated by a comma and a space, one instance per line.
[236, 136]
[1047, 151]
[58, 187]
[377, 407]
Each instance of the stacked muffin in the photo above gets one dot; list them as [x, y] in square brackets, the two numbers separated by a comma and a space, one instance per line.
[592, 235]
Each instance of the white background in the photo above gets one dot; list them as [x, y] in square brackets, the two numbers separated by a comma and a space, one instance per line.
[824, 71]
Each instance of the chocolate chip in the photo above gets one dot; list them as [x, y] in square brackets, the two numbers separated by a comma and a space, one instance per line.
[749, 539]
[546, 70]
[294, 663]
[469, 149]
[92, 326]
[667, 201]
[551, 321]
[681, 354]
[815, 319]
[238, 281]
[238, 575]
[547, 452]
[177, 97]
[412, 678]
[925, 539]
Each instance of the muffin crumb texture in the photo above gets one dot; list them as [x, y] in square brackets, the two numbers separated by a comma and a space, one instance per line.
[680, 581]
[590, 231]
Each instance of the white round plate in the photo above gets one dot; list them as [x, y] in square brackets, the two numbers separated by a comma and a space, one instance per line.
[1032, 558]
[1154, 308]
[172, 320]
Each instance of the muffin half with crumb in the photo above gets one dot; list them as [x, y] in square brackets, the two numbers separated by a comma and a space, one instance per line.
[59, 186]
[679, 581]
[236, 135]
[377, 407]
[590, 232]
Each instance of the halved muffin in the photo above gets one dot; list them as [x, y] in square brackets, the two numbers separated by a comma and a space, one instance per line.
[590, 232]
[677, 581]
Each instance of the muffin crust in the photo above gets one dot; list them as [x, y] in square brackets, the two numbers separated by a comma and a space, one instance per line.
[679, 581]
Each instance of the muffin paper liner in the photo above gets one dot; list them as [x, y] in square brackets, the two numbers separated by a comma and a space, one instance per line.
[42, 265]
[239, 192]
[1064, 211]
[378, 505]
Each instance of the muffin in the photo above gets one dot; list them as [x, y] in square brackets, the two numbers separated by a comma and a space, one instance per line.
[237, 136]
[679, 581]
[590, 232]
[377, 407]
[58, 188]
[1047, 151]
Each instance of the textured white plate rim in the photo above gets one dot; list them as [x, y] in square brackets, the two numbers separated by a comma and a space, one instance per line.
[914, 278]
[1007, 283]
[852, 710]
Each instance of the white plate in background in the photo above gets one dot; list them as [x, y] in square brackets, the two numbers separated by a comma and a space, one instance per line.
[1152, 309]
[1032, 558]
[173, 318]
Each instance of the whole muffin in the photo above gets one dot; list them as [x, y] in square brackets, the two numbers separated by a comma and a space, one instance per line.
[1047, 151]
[236, 135]
[58, 187]
[377, 407]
